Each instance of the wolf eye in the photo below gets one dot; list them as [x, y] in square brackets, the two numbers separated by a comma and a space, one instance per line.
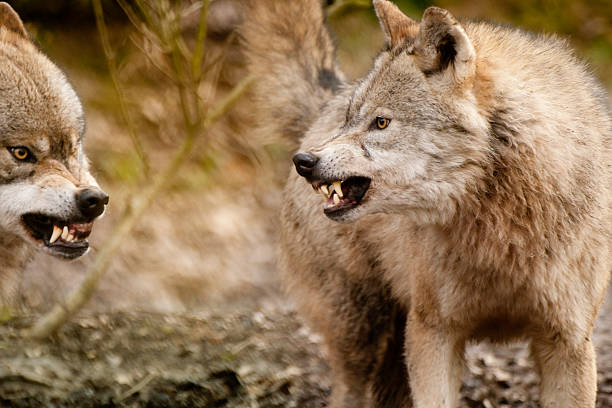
[382, 123]
[22, 153]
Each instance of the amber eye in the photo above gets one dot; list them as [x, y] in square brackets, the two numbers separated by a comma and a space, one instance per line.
[382, 123]
[21, 153]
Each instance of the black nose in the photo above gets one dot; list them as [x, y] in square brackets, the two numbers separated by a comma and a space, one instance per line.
[91, 202]
[305, 164]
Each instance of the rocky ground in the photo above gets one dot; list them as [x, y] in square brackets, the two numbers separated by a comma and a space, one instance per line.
[265, 357]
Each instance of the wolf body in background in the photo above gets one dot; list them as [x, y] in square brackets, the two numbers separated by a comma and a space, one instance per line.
[475, 200]
[48, 198]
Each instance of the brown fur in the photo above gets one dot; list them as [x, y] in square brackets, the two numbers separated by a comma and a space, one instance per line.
[312, 76]
[39, 111]
[488, 214]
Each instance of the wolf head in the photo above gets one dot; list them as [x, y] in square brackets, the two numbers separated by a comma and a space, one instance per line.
[409, 137]
[47, 195]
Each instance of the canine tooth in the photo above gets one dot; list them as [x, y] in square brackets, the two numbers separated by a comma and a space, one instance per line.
[336, 199]
[57, 232]
[337, 186]
[325, 190]
[65, 233]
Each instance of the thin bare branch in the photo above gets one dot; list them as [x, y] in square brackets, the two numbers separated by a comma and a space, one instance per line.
[112, 68]
[198, 51]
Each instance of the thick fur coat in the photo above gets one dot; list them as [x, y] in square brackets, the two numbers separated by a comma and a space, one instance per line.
[48, 198]
[475, 200]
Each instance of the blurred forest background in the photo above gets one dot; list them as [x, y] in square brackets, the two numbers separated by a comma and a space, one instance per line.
[190, 312]
[210, 240]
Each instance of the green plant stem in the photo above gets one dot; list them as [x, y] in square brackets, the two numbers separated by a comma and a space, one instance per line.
[198, 51]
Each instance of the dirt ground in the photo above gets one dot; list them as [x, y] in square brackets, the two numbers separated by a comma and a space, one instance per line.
[261, 357]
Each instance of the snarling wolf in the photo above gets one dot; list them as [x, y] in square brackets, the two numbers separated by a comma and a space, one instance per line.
[48, 198]
[466, 195]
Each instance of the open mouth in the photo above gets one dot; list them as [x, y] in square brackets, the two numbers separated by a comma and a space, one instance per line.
[342, 195]
[64, 238]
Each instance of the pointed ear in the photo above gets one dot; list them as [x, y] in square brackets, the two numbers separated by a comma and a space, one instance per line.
[396, 25]
[442, 43]
[10, 19]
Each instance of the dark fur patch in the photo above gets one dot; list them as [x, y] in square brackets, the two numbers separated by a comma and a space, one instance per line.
[447, 51]
[366, 152]
[328, 79]
[499, 128]
[458, 128]
[391, 384]
[405, 47]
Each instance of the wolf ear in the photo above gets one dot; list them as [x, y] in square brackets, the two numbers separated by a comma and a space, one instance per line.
[396, 25]
[10, 19]
[443, 43]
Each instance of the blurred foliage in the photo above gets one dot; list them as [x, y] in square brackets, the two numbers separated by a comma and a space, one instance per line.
[587, 24]
[120, 166]
[77, 12]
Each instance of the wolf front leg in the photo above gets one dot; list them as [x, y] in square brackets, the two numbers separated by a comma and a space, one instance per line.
[435, 365]
[567, 370]
[363, 329]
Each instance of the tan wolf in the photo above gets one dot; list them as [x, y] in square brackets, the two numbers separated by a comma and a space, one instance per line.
[466, 196]
[48, 198]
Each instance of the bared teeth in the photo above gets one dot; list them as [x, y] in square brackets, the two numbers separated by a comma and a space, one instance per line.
[333, 191]
[65, 234]
[57, 232]
[337, 186]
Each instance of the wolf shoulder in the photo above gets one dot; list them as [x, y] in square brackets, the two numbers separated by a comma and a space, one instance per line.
[540, 65]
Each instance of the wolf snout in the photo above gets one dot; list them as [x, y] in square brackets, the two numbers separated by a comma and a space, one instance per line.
[91, 202]
[305, 164]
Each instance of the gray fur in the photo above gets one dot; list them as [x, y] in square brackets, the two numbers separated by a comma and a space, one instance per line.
[39, 110]
[488, 214]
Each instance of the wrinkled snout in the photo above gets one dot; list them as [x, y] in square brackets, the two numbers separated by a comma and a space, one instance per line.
[91, 202]
[305, 164]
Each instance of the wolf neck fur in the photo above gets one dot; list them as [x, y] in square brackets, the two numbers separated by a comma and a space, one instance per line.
[514, 222]
[14, 256]
[14, 253]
